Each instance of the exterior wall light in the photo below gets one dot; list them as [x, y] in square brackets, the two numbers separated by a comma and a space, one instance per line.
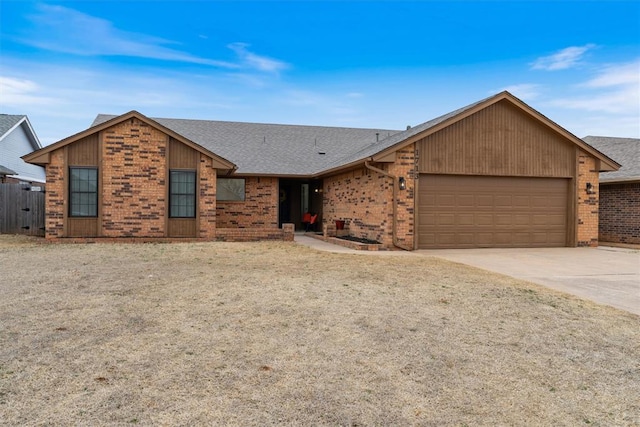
[402, 183]
[590, 188]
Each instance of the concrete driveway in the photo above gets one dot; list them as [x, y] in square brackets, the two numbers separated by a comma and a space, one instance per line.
[605, 275]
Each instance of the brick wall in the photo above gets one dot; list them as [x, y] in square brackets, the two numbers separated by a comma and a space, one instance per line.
[364, 199]
[587, 208]
[258, 210]
[286, 233]
[620, 213]
[405, 166]
[207, 197]
[134, 182]
[361, 198]
[54, 197]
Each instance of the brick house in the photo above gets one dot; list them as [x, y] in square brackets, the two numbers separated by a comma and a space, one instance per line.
[493, 174]
[619, 190]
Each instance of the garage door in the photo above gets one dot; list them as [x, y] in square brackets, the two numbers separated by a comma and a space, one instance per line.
[491, 212]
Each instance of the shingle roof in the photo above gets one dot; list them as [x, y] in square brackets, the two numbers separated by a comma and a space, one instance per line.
[625, 151]
[8, 121]
[273, 149]
[393, 139]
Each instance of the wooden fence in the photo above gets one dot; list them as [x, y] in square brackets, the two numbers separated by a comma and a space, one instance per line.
[21, 210]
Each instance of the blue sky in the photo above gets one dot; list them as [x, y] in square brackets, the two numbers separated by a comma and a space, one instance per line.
[385, 64]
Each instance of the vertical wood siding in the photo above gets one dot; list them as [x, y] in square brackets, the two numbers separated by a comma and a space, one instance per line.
[499, 140]
[84, 152]
[182, 156]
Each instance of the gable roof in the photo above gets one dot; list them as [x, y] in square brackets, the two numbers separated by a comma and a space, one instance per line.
[273, 149]
[9, 122]
[294, 150]
[626, 151]
[402, 139]
[42, 156]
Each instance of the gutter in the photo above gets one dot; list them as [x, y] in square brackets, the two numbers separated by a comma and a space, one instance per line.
[394, 233]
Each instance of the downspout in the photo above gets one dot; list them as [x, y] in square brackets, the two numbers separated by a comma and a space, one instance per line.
[394, 178]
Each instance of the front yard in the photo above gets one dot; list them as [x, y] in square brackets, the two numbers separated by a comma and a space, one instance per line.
[276, 333]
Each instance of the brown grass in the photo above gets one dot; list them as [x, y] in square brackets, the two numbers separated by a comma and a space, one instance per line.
[275, 333]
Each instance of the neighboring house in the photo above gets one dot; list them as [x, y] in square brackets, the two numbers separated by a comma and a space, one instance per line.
[17, 138]
[493, 174]
[620, 190]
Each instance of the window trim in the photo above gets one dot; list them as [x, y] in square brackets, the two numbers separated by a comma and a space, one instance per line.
[72, 192]
[194, 194]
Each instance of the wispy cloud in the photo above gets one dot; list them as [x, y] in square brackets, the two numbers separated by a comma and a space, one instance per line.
[563, 59]
[617, 75]
[61, 29]
[615, 89]
[21, 92]
[252, 60]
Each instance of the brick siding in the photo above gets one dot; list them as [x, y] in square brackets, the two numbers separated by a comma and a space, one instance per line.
[133, 202]
[258, 210]
[587, 203]
[364, 200]
[134, 181]
[207, 197]
[620, 213]
[54, 197]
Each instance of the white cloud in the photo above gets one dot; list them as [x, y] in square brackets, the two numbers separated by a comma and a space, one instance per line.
[65, 30]
[563, 59]
[524, 91]
[616, 89]
[616, 75]
[21, 92]
[252, 60]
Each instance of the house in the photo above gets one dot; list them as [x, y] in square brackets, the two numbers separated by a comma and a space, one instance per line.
[495, 173]
[619, 190]
[17, 138]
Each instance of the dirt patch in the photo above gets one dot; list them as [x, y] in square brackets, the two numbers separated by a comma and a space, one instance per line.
[275, 333]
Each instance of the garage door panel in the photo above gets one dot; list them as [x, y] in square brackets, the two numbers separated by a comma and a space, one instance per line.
[484, 219]
[472, 211]
[466, 219]
[465, 201]
[502, 219]
[483, 200]
[503, 201]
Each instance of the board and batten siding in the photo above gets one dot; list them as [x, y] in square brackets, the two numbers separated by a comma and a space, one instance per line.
[182, 157]
[500, 140]
[83, 153]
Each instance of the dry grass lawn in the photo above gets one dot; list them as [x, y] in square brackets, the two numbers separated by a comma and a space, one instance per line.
[275, 333]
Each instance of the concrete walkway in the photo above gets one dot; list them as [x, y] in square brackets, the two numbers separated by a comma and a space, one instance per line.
[605, 275]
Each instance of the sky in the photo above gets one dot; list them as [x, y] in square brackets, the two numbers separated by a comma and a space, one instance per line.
[384, 64]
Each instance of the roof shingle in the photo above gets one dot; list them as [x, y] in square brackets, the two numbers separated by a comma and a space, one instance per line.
[625, 151]
[272, 149]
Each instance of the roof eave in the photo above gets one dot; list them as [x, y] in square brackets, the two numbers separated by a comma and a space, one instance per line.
[631, 180]
[41, 156]
[606, 163]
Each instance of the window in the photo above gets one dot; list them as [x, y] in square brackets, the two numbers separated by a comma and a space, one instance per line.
[230, 189]
[83, 192]
[182, 194]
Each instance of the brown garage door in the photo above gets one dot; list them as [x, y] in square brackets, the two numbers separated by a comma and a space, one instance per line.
[499, 212]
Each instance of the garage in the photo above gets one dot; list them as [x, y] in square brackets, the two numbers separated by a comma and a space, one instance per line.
[462, 211]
